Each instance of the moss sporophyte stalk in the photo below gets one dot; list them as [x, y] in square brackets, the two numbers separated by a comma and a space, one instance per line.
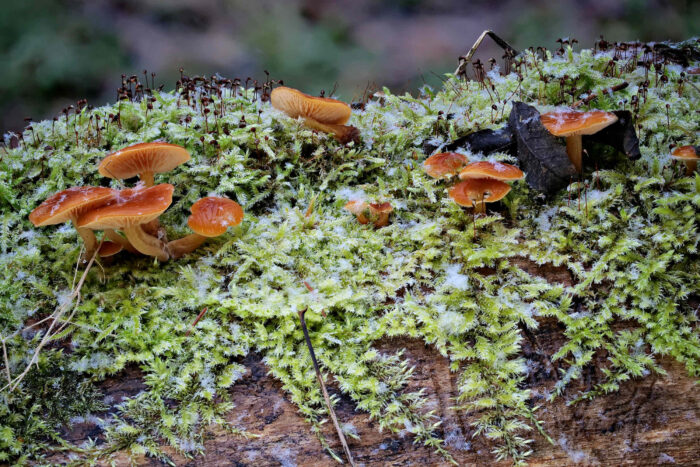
[627, 231]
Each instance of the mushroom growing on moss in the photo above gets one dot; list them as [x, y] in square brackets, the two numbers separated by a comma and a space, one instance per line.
[476, 192]
[68, 205]
[358, 208]
[211, 216]
[688, 155]
[573, 125]
[444, 164]
[319, 113]
[486, 169]
[109, 249]
[128, 211]
[380, 213]
[144, 160]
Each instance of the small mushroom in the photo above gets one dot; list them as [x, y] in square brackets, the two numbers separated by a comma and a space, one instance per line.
[358, 208]
[444, 164]
[211, 216]
[109, 249]
[380, 212]
[497, 170]
[572, 125]
[68, 205]
[144, 160]
[476, 192]
[132, 208]
[688, 155]
[319, 113]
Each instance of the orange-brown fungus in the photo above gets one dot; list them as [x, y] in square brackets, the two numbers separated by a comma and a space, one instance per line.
[444, 164]
[475, 192]
[572, 125]
[497, 170]
[144, 160]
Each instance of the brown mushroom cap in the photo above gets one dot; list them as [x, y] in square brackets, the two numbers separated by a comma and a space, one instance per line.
[211, 216]
[131, 206]
[143, 158]
[109, 249]
[571, 122]
[466, 192]
[66, 204]
[321, 109]
[444, 164]
[358, 208]
[684, 153]
[380, 208]
[497, 170]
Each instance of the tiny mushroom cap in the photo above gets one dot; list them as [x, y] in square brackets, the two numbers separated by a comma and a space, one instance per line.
[497, 170]
[687, 154]
[477, 191]
[358, 208]
[144, 160]
[572, 125]
[132, 208]
[211, 216]
[322, 109]
[109, 249]
[381, 211]
[444, 164]
[67, 205]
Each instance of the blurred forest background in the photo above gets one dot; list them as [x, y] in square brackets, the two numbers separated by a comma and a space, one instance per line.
[54, 52]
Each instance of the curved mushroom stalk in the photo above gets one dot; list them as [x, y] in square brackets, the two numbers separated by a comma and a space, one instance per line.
[184, 245]
[89, 240]
[113, 236]
[146, 244]
[343, 133]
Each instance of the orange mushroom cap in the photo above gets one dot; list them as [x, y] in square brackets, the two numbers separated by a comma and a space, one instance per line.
[684, 153]
[211, 216]
[109, 249]
[322, 109]
[444, 164]
[379, 208]
[65, 204]
[571, 122]
[157, 157]
[497, 170]
[466, 192]
[131, 206]
[358, 208]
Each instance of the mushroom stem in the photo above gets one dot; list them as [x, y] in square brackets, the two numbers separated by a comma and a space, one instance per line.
[184, 245]
[147, 178]
[574, 148]
[479, 207]
[382, 220]
[146, 244]
[690, 167]
[89, 240]
[113, 236]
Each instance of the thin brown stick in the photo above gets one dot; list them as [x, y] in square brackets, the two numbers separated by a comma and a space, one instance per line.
[323, 388]
[617, 87]
[465, 60]
[7, 362]
[196, 320]
[57, 316]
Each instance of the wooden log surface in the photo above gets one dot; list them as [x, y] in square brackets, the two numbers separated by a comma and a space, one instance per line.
[650, 421]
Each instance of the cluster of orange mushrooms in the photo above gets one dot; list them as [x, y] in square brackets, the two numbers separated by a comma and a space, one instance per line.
[129, 217]
[480, 182]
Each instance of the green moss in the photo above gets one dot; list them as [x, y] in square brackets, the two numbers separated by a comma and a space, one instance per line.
[633, 251]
